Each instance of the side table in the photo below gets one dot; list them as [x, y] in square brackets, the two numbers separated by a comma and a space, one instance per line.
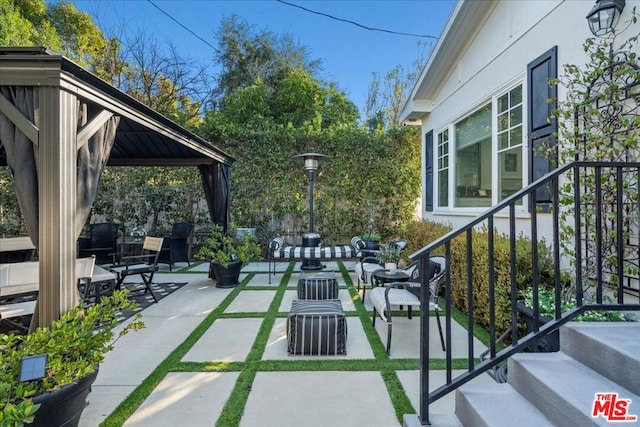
[384, 276]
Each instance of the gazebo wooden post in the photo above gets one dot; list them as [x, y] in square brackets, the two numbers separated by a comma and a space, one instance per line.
[57, 199]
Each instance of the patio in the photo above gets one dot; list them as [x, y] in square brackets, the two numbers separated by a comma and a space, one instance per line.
[214, 355]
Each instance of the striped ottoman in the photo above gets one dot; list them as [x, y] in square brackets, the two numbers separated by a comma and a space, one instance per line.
[318, 286]
[317, 327]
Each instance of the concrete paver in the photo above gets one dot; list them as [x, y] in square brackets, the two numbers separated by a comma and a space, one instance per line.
[280, 398]
[318, 399]
[185, 398]
[237, 335]
[249, 301]
[357, 345]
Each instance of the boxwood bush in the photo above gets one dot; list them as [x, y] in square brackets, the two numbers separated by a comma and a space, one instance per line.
[421, 233]
[502, 270]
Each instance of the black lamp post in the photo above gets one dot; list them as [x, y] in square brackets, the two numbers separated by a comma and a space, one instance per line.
[311, 239]
[604, 16]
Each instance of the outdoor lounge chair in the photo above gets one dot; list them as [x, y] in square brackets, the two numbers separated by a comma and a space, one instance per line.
[102, 242]
[145, 265]
[407, 294]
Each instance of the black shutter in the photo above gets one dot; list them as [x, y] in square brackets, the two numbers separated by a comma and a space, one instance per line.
[541, 121]
[428, 171]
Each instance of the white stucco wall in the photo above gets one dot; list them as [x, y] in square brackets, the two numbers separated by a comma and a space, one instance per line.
[495, 58]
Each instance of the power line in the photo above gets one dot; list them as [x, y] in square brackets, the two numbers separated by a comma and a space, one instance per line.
[183, 26]
[356, 23]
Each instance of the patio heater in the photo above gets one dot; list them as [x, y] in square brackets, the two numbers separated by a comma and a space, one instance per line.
[311, 239]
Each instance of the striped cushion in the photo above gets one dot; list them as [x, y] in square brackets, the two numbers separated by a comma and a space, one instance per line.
[317, 327]
[300, 252]
[276, 243]
[318, 286]
[358, 243]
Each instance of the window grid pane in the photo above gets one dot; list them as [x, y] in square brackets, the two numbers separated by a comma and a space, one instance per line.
[510, 121]
[443, 168]
[510, 148]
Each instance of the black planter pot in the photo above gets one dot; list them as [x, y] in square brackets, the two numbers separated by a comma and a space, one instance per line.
[373, 245]
[548, 343]
[63, 407]
[225, 277]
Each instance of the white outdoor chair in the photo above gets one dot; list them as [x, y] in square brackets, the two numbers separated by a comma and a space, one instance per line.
[399, 294]
[365, 268]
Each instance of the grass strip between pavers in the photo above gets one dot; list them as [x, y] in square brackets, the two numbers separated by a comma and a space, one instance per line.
[128, 406]
[234, 407]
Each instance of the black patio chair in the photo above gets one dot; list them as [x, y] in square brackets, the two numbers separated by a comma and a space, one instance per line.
[102, 242]
[176, 247]
[145, 265]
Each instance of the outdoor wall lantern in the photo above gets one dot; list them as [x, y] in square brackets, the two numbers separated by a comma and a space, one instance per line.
[604, 16]
[311, 162]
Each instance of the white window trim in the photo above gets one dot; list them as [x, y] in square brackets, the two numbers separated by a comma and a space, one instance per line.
[493, 99]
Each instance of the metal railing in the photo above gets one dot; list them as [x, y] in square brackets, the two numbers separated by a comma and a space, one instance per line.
[603, 214]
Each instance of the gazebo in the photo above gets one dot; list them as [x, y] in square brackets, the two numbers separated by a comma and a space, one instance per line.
[60, 125]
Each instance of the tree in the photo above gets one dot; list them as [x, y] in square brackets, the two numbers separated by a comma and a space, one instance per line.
[247, 55]
[386, 97]
[26, 24]
[271, 108]
[164, 80]
[59, 27]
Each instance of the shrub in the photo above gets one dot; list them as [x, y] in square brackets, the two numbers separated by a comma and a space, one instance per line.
[546, 305]
[421, 233]
[502, 271]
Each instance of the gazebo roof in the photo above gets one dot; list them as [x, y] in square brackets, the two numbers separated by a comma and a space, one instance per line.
[144, 136]
[59, 126]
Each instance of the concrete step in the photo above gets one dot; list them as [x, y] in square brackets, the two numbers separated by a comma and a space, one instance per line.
[436, 420]
[496, 405]
[610, 348]
[563, 388]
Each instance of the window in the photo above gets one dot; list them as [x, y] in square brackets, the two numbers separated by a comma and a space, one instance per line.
[510, 143]
[480, 158]
[473, 159]
[443, 168]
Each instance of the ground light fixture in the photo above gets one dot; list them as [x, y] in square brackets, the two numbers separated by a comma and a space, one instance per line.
[604, 16]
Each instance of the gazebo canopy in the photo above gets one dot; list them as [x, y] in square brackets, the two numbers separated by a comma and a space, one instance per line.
[59, 126]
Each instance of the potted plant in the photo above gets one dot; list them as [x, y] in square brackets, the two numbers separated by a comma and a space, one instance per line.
[372, 241]
[389, 255]
[74, 346]
[227, 253]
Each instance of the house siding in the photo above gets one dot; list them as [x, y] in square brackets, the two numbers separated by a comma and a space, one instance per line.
[509, 35]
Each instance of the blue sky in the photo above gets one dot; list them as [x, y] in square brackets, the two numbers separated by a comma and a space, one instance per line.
[349, 54]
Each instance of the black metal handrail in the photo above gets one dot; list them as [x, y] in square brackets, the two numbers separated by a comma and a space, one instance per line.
[618, 174]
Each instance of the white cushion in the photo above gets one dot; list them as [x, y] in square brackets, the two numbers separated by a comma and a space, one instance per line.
[396, 297]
